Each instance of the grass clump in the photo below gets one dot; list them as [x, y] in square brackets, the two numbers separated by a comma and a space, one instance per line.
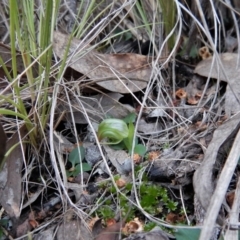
[31, 33]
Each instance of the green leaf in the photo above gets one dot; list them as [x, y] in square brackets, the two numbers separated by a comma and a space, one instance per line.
[153, 191]
[140, 149]
[130, 118]
[171, 206]
[106, 212]
[187, 233]
[143, 188]
[113, 129]
[129, 140]
[85, 168]
[77, 155]
[4, 222]
[77, 169]
[119, 146]
[149, 226]
[193, 52]
[128, 187]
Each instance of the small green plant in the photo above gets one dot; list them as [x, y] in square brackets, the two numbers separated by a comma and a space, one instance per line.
[106, 212]
[149, 226]
[76, 157]
[166, 145]
[153, 198]
[120, 134]
[151, 195]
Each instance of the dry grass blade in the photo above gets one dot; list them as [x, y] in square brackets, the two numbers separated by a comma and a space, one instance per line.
[121, 73]
[233, 215]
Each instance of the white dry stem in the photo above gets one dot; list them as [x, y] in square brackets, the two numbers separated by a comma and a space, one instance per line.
[221, 189]
[183, 206]
[234, 215]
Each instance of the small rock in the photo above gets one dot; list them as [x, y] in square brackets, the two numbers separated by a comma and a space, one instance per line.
[92, 155]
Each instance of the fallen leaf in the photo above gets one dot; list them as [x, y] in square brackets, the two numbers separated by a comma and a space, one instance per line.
[149, 127]
[231, 42]
[24, 228]
[231, 69]
[230, 197]
[92, 222]
[10, 176]
[110, 233]
[96, 226]
[27, 225]
[120, 159]
[110, 222]
[73, 229]
[97, 107]
[64, 145]
[203, 177]
[3, 143]
[45, 234]
[174, 218]
[155, 234]
[123, 73]
[232, 98]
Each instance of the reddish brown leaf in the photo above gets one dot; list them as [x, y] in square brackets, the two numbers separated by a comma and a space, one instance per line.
[34, 224]
[230, 198]
[24, 228]
[110, 222]
[174, 218]
[110, 233]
